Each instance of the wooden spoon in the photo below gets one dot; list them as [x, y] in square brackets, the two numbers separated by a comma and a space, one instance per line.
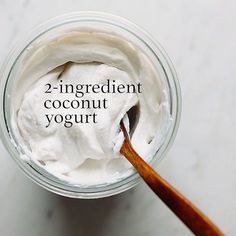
[190, 215]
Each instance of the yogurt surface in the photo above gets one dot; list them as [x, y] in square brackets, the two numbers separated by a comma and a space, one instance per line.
[87, 153]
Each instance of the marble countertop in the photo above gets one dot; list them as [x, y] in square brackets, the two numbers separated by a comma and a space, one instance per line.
[200, 37]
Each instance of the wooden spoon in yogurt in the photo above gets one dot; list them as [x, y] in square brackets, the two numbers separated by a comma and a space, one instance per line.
[190, 215]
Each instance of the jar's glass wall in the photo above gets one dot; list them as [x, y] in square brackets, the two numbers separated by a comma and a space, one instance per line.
[11, 69]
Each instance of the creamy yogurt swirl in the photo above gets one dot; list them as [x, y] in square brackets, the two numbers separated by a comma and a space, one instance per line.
[89, 153]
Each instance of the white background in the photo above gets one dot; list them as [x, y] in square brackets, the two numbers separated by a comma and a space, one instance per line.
[200, 38]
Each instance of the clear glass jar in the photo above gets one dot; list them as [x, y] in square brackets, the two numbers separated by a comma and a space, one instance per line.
[101, 21]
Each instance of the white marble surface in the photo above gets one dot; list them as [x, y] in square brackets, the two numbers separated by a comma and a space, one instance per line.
[200, 37]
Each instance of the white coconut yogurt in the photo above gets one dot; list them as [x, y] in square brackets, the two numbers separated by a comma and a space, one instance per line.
[85, 150]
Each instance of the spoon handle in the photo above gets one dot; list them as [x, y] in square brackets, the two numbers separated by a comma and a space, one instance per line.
[190, 215]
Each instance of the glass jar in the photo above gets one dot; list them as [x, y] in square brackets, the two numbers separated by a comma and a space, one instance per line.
[100, 21]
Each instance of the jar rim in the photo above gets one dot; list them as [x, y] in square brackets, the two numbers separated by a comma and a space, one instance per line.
[115, 21]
